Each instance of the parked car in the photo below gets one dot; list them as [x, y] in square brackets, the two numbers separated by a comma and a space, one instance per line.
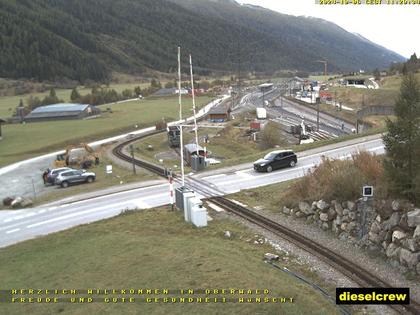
[275, 160]
[74, 177]
[52, 174]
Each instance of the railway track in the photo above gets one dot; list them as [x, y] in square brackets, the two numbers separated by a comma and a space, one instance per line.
[353, 271]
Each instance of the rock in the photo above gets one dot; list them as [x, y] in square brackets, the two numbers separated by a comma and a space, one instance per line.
[8, 201]
[324, 217]
[335, 228]
[384, 245]
[331, 214]
[409, 259]
[403, 222]
[305, 208]
[322, 205]
[417, 232]
[413, 244]
[344, 226]
[286, 210]
[313, 206]
[338, 220]
[342, 236]
[351, 226]
[392, 221]
[310, 218]
[17, 202]
[346, 212]
[271, 257]
[392, 251]
[346, 218]
[413, 218]
[398, 235]
[395, 205]
[375, 227]
[374, 238]
[338, 208]
[299, 214]
[325, 226]
[26, 202]
[351, 205]
[352, 216]
[378, 219]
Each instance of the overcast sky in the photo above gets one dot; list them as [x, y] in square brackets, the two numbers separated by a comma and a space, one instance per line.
[395, 27]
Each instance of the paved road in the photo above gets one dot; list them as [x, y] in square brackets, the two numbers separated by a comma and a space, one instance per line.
[16, 226]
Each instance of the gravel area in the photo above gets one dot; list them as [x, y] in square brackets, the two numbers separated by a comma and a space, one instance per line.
[371, 262]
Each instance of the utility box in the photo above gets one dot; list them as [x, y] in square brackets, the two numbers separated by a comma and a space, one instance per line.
[187, 205]
[199, 216]
[198, 163]
[179, 196]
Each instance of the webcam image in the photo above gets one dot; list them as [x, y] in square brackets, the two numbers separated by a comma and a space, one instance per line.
[209, 157]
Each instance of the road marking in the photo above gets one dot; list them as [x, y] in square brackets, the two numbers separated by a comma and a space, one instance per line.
[12, 231]
[42, 211]
[75, 214]
[52, 208]
[214, 176]
[244, 174]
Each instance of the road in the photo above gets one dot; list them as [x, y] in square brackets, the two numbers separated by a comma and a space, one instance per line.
[20, 225]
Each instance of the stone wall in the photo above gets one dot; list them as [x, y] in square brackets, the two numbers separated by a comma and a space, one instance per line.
[392, 228]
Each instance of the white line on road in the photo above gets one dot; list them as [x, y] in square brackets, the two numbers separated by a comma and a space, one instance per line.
[12, 231]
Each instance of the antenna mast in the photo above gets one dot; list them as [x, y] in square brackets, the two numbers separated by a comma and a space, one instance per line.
[181, 146]
[193, 100]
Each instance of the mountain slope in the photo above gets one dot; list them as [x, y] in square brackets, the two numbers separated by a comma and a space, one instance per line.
[52, 39]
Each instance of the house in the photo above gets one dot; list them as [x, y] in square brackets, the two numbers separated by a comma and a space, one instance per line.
[1, 121]
[62, 112]
[265, 87]
[220, 113]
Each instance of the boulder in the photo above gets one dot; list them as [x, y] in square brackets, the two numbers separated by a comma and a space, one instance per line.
[403, 223]
[378, 219]
[338, 220]
[324, 217]
[408, 258]
[271, 257]
[392, 221]
[413, 218]
[313, 206]
[299, 214]
[417, 232]
[413, 244]
[393, 251]
[398, 235]
[286, 210]
[17, 202]
[346, 212]
[343, 226]
[346, 218]
[338, 208]
[351, 226]
[351, 205]
[374, 238]
[322, 205]
[331, 214]
[352, 216]
[375, 227]
[395, 205]
[305, 208]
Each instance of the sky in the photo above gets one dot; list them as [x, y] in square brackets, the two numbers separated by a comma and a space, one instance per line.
[395, 27]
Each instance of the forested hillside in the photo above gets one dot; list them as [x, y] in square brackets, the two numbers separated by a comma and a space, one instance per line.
[80, 40]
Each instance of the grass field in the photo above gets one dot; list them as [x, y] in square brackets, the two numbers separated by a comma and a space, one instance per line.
[28, 140]
[156, 249]
[9, 103]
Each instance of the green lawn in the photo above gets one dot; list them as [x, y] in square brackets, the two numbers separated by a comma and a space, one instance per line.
[156, 249]
[31, 139]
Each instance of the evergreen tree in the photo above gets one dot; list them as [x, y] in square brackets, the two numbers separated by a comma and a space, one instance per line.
[402, 142]
[75, 96]
[52, 93]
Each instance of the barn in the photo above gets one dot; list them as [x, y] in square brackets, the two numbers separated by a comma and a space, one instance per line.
[62, 112]
[219, 113]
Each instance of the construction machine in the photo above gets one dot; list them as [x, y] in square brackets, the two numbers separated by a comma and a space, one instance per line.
[76, 157]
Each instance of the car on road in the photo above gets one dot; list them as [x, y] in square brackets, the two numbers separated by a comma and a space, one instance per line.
[70, 177]
[275, 160]
[52, 174]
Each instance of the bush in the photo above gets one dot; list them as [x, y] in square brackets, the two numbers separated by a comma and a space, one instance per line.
[339, 180]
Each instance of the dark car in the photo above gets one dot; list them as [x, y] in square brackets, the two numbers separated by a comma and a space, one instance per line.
[74, 177]
[275, 160]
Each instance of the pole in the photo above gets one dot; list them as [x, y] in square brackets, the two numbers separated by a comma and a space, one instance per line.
[317, 116]
[193, 99]
[180, 117]
[132, 158]
[171, 189]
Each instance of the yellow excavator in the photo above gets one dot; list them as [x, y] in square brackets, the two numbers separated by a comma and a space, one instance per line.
[84, 160]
